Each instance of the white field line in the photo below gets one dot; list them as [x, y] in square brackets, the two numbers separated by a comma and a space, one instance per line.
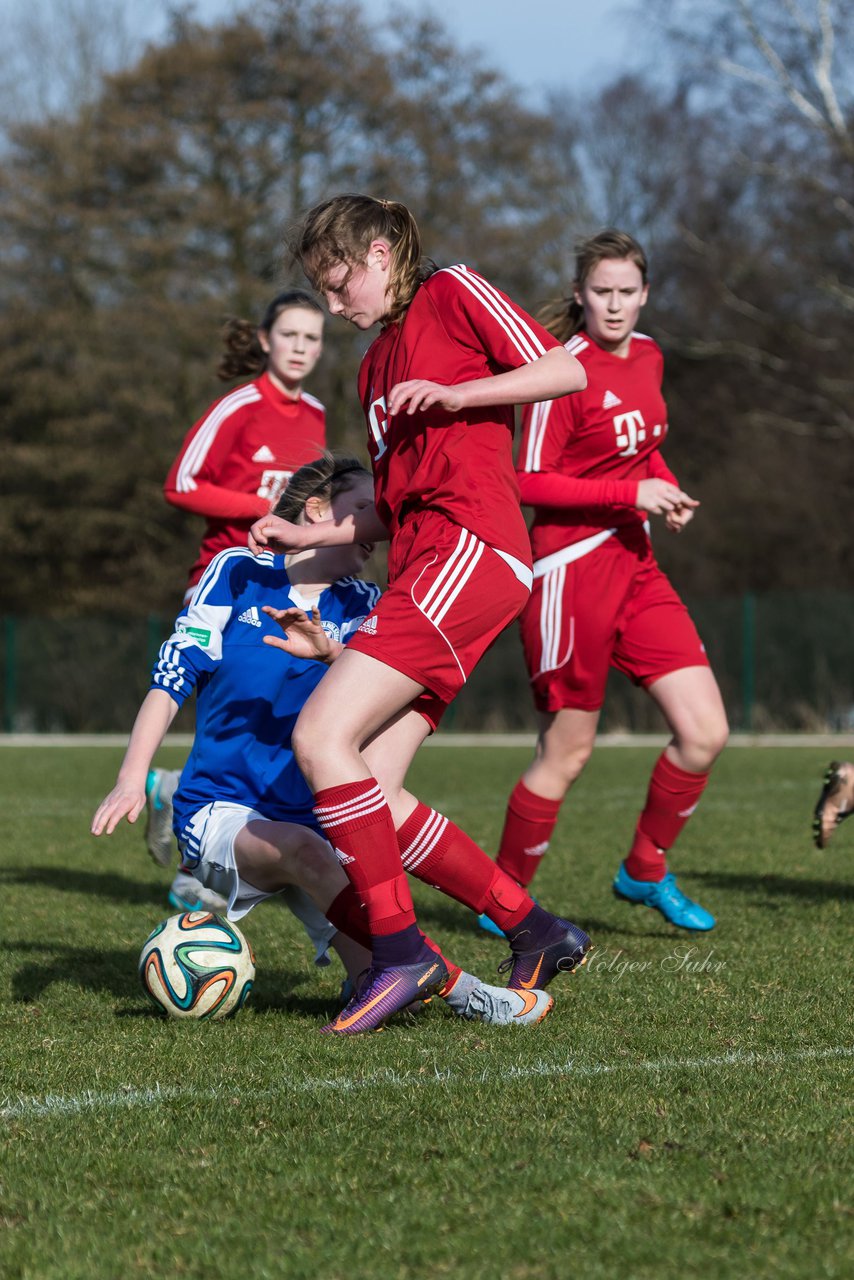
[839, 742]
[129, 1098]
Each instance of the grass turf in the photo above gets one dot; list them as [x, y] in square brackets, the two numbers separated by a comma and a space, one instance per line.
[682, 1112]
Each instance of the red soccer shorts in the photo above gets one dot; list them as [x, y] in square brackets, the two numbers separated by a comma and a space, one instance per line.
[449, 598]
[611, 608]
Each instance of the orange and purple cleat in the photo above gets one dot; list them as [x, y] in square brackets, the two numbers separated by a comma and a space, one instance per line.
[563, 949]
[385, 992]
[835, 803]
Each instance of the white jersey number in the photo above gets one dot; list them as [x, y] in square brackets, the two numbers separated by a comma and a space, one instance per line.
[273, 485]
[378, 425]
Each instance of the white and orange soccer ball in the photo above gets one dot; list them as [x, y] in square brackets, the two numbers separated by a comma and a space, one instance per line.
[197, 965]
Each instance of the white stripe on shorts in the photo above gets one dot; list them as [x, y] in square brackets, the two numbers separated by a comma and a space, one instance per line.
[551, 621]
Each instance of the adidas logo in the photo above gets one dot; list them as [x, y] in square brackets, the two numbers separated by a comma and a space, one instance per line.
[369, 625]
[343, 858]
[252, 616]
[264, 455]
[610, 401]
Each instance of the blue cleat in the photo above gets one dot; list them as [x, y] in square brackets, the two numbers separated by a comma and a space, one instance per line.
[489, 926]
[189, 894]
[665, 896]
[160, 787]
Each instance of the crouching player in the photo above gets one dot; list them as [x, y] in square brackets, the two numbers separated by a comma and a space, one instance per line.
[242, 810]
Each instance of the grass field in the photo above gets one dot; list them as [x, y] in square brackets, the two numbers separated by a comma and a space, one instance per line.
[682, 1112]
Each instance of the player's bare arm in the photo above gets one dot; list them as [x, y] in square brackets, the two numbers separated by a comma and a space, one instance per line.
[554, 374]
[127, 798]
[303, 635]
[274, 533]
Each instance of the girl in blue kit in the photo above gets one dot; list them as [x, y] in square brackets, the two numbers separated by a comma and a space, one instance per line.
[242, 811]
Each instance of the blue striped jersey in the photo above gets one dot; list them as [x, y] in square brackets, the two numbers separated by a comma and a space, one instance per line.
[248, 694]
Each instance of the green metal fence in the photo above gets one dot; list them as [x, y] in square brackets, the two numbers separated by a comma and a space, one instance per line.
[785, 661]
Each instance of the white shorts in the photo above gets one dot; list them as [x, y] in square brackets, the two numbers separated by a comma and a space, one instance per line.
[211, 832]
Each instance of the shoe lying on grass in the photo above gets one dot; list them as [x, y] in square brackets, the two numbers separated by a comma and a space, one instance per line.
[835, 803]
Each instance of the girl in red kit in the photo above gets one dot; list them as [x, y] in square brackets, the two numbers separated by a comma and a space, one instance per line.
[590, 466]
[437, 386]
[236, 461]
[233, 466]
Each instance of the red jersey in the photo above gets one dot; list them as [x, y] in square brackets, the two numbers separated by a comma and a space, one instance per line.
[583, 455]
[236, 461]
[458, 328]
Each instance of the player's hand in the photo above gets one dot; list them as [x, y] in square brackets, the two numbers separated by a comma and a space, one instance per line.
[124, 801]
[659, 497]
[418, 393]
[273, 533]
[677, 519]
[303, 636]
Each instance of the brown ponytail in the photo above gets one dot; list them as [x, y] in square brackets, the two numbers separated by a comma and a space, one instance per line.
[341, 231]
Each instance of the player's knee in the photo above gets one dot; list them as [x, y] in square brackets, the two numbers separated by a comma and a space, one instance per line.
[564, 766]
[313, 861]
[706, 741]
[578, 757]
[306, 743]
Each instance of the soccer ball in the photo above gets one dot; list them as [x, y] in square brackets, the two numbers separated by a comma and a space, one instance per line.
[197, 965]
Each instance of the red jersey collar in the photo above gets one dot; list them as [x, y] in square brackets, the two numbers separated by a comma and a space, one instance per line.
[271, 393]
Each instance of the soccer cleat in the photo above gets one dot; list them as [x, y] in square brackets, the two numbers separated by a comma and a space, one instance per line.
[189, 894]
[350, 987]
[664, 896]
[504, 1007]
[489, 926]
[159, 790]
[835, 803]
[385, 992]
[533, 969]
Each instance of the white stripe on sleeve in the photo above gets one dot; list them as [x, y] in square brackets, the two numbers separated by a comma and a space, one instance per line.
[199, 446]
[520, 333]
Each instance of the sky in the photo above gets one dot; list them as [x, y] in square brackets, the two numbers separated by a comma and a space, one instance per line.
[540, 44]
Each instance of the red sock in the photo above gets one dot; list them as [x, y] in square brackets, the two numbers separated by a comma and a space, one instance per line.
[528, 826]
[358, 824]
[434, 850]
[672, 797]
[347, 914]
